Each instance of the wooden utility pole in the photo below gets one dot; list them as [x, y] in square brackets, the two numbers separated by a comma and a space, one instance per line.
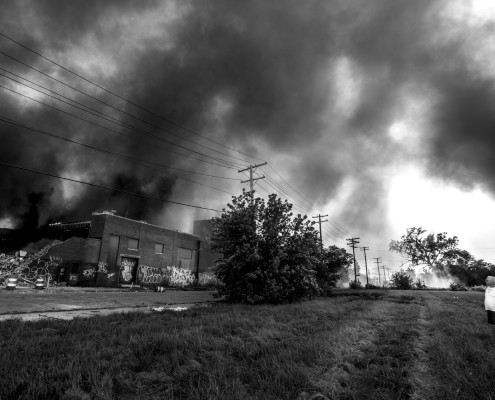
[378, 267]
[319, 216]
[352, 242]
[251, 179]
[364, 248]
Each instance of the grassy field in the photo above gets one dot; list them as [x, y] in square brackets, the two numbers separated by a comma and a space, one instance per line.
[379, 344]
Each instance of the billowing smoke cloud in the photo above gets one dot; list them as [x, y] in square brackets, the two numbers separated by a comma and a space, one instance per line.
[313, 87]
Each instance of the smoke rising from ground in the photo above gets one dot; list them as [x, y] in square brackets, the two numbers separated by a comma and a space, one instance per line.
[312, 87]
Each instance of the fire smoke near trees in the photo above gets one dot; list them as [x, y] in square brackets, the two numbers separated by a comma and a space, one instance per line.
[340, 96]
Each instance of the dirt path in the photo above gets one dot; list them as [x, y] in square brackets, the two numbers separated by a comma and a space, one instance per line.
[420, 372]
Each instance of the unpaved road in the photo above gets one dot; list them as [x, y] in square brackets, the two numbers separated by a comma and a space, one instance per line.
[67, 304]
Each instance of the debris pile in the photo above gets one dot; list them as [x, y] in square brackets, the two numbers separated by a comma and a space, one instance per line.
[27, 267]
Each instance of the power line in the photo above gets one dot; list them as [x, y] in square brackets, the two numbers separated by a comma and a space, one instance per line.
[109, 119]
[301, 196]
[22, 125]
[113, 130]
[106, 187]
[122, 98]
[138, 161]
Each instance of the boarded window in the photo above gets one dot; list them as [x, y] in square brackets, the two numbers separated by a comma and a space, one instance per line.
[113, 249]
[185, 253]
[159, 248]
[186, 258]
[133, 244]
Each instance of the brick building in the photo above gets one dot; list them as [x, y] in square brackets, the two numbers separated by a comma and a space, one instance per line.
[122, 251]
[203, 230]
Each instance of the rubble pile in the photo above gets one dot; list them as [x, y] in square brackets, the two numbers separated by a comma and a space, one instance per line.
[27, 267]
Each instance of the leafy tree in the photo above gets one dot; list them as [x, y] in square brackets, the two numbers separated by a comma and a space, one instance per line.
[432, 251]
[269, 255]
[402, 280]
[334, 263]
[470, 270]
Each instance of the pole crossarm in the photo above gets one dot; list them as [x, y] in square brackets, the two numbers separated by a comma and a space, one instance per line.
[352, 242]
[320, 221]
[364, 248]
[378, 267]
[251, 180]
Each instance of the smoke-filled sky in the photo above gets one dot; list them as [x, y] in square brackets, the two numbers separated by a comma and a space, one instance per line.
[378, 113]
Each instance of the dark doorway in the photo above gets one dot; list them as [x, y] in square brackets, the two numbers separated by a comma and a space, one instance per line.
[128, 269]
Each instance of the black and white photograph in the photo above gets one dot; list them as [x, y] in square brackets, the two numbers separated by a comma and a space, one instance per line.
[258, 199]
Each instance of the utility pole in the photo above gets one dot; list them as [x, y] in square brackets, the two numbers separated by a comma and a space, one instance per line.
[251, 179]
[319, 216]
[384, 274]
[352, 242]
[378, 267]
[364, 248]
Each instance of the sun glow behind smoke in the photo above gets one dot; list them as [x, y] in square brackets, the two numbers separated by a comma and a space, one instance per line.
[414, 199]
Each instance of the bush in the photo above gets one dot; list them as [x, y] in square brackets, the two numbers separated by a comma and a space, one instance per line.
[269, 255]
[355, 284]
[401, 280]
[419, 285]
[456, 287]
[371, 286]
[480, 288]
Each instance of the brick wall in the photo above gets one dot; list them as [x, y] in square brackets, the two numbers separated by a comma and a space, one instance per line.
[147, 235]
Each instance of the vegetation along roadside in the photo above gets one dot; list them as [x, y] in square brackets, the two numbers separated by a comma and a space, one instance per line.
[357, 344]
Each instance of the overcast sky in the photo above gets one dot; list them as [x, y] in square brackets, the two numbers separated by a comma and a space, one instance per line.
[379, 113]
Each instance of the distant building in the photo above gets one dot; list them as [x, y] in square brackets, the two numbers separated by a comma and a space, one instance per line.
[203, 229]
[121, 251]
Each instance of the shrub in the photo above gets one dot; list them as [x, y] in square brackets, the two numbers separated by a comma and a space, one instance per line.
[355, 284]
[371, 286]
[420, 285]
[480, 288]
[401, 280]
[269, 255]
[457, 287]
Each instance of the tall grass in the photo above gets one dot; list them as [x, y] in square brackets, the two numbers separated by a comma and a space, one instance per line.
[356, 345]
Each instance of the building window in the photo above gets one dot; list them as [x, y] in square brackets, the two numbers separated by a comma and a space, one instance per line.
[158, 248]
[133, 244]
[186, 258]
[185, 253]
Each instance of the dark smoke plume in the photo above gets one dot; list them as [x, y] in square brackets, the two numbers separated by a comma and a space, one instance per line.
[259, 76]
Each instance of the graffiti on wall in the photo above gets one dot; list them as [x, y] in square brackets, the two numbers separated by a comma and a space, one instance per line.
[88, 272]
[152, 275]
[208, 278]
[103, 267]
[127, 269]
[180, 277]
[171, 276]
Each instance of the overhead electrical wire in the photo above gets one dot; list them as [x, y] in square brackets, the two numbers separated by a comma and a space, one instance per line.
[136, 160]
[106, 187]
[109, 129]
[113, 120]
[124, 99]
[302, 197]
[116, 108]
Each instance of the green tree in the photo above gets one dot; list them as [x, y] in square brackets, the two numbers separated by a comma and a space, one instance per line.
[334, 264]
[401, 280]
[269, 255]
[433, 252]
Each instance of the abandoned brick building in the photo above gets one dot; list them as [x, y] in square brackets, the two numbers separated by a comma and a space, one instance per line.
[114, 251]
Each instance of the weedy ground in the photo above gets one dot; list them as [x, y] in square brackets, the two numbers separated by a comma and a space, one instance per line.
[379, 344]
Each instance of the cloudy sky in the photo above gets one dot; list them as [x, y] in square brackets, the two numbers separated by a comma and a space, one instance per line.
[378, 113]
